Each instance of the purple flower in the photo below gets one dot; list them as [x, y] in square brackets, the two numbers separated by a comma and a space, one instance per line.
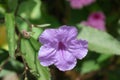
[96, 20]
[76, 4]
[61, 48]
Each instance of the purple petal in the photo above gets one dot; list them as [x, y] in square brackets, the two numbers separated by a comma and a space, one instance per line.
[67, 33]
[48, 36]
[96, 20]
[77, 4]
[96, 16]
[98, 24]
[46, 55]
[65, 60]
[88, 2]
[79, 48]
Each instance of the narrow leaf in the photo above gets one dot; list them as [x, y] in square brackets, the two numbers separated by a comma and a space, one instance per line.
[10, 26]
[31, 57]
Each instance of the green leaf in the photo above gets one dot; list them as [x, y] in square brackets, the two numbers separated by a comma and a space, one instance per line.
[3, 55]
[11, 66]
[21, 24]
[35, 44]
[30, 56]
[36, 12]
[4, 72]
[99, 41]
[10, 25]
[89, 66]
[12, 7]
[14, 65]
[103, 57]
[36, 32]
[30, 9]
[2, 9]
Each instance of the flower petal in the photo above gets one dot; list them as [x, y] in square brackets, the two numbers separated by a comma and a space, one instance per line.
[76, 4]
[46, 55]
[68, 32]
[96, 16]
[48, 36]
[98, 24]
[65, 60]
[78, 48]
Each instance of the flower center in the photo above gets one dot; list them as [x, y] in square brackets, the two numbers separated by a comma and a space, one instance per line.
[61, 46]
[96, 16]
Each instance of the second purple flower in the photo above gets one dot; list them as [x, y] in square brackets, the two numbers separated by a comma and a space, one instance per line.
[96, 20]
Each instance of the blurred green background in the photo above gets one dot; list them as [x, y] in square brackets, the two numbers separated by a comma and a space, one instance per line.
[18, 59]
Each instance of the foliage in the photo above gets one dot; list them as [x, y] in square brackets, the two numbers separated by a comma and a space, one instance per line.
[24, 20]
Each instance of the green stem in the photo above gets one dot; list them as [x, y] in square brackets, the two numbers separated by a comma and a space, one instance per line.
[10, 26]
